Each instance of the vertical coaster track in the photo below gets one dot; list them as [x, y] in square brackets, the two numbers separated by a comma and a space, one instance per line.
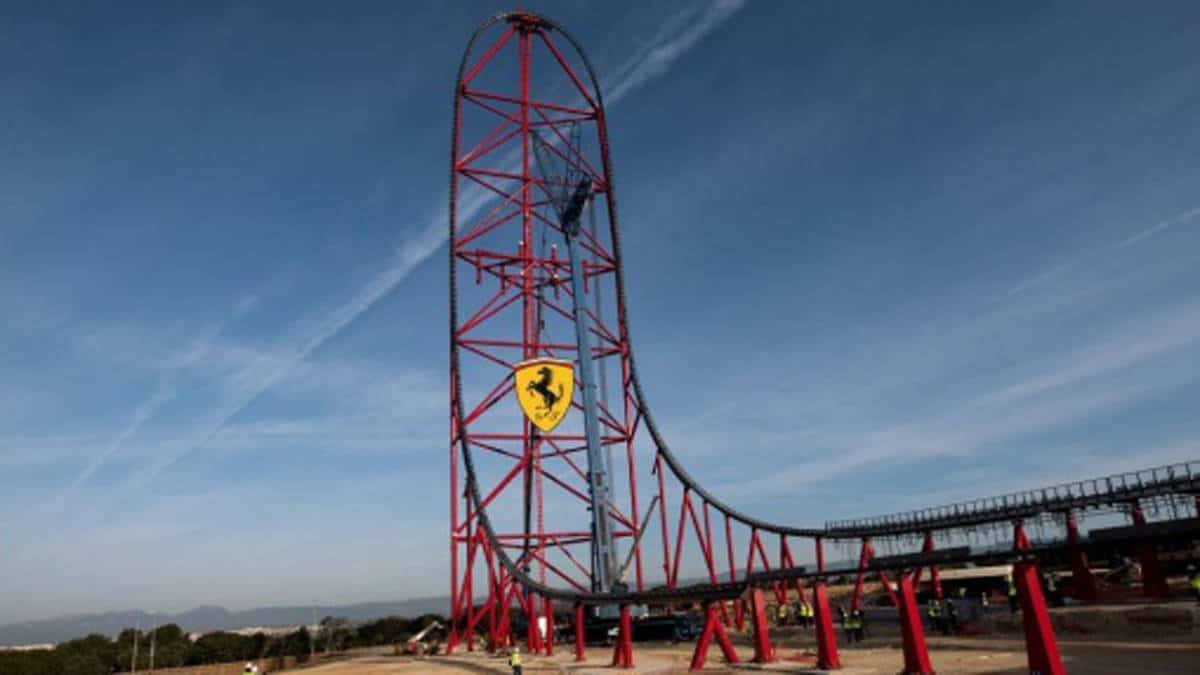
[519, 499]
[515, 305]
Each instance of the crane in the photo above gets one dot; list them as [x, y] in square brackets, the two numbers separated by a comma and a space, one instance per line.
[414, 644]
[569, 190]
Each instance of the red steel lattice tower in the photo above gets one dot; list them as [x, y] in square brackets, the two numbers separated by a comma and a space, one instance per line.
[511, 301]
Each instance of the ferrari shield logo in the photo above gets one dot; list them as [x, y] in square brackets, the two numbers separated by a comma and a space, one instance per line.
[544, 389]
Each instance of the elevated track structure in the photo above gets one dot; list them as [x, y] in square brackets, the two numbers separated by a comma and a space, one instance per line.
[523, 515]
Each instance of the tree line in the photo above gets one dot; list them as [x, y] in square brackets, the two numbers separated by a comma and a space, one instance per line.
[101, 655]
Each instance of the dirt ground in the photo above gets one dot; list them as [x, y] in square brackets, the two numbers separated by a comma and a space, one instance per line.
[976, 656]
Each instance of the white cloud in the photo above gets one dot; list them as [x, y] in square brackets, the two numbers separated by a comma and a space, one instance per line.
[1173, 329]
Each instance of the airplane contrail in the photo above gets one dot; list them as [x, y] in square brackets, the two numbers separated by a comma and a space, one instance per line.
[650, 64]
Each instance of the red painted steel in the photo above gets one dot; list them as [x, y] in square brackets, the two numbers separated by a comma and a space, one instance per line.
[533, 642]
[935, 581]
[1154, 580]
[1041, 647]
[548, 641]
[827, 651]
[758, 613]
[580, 651]
[511, 288]
[713, 627]
[623, 649]
[1083, 582]
[864, 559]
[506, 239]
[916, 653]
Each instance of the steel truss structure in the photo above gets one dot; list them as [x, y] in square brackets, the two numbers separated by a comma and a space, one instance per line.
[519, 498]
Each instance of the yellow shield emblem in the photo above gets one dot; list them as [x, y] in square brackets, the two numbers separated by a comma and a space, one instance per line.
[544, 389]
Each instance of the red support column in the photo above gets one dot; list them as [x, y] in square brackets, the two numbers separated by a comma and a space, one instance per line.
[1154, 582]
[623, 649]
[1083, 584]
[579, 642]
[548, 640]
[762, 641]
[827, 651]
[533, 643]
[916, 654]
[712, 627]
[863, 558]
[887, 586]
[1041, 647]
[935, 581]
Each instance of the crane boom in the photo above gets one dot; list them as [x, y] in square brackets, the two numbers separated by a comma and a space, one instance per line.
[569, 208]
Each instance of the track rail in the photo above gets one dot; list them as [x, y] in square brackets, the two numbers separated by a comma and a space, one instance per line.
[1107, 491]
[1176, 479]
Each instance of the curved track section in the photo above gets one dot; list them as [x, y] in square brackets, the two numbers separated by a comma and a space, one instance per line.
[501, 515]
[539, 28]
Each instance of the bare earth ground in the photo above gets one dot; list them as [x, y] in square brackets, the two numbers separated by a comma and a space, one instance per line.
[998, 656]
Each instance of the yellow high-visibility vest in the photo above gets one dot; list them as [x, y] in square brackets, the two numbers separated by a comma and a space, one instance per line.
[514, 659]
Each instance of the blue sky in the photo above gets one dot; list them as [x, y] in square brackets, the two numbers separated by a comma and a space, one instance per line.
[888, 256]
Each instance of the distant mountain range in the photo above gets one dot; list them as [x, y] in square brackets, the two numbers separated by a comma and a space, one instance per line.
[207, 618]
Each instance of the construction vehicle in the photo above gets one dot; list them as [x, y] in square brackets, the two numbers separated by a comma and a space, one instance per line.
[416, 645]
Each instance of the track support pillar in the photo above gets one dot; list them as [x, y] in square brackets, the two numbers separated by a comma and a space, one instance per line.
[935, 580]
[713, 627]
[579, 643]
[548, 638]
[762, 641]
[1041, 647]
[863, 558]
[827, 651]
[533, 643]
[916, 654]
[1083, 583]
[1154, 582]
[623, 649]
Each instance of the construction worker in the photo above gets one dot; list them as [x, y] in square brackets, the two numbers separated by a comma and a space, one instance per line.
[1014, 603]
[514, 661]
[1053, 590]
[248, 669]
[856, 625]
[934, 612]
[806, 614]
[845, 621]
[951, 625]
[1194, 581]
[860, 624]
[781, 614]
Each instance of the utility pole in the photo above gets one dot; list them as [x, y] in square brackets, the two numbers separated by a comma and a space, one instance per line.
[312, 638]
[153, 635]
[137, 628]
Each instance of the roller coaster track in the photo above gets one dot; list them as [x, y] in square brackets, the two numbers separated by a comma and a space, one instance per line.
[477, 532]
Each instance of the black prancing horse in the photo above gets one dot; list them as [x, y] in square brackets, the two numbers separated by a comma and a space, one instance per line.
[542, 388]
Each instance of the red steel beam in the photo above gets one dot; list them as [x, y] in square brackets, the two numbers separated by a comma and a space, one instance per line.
[712, 628]
[1041, 646]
